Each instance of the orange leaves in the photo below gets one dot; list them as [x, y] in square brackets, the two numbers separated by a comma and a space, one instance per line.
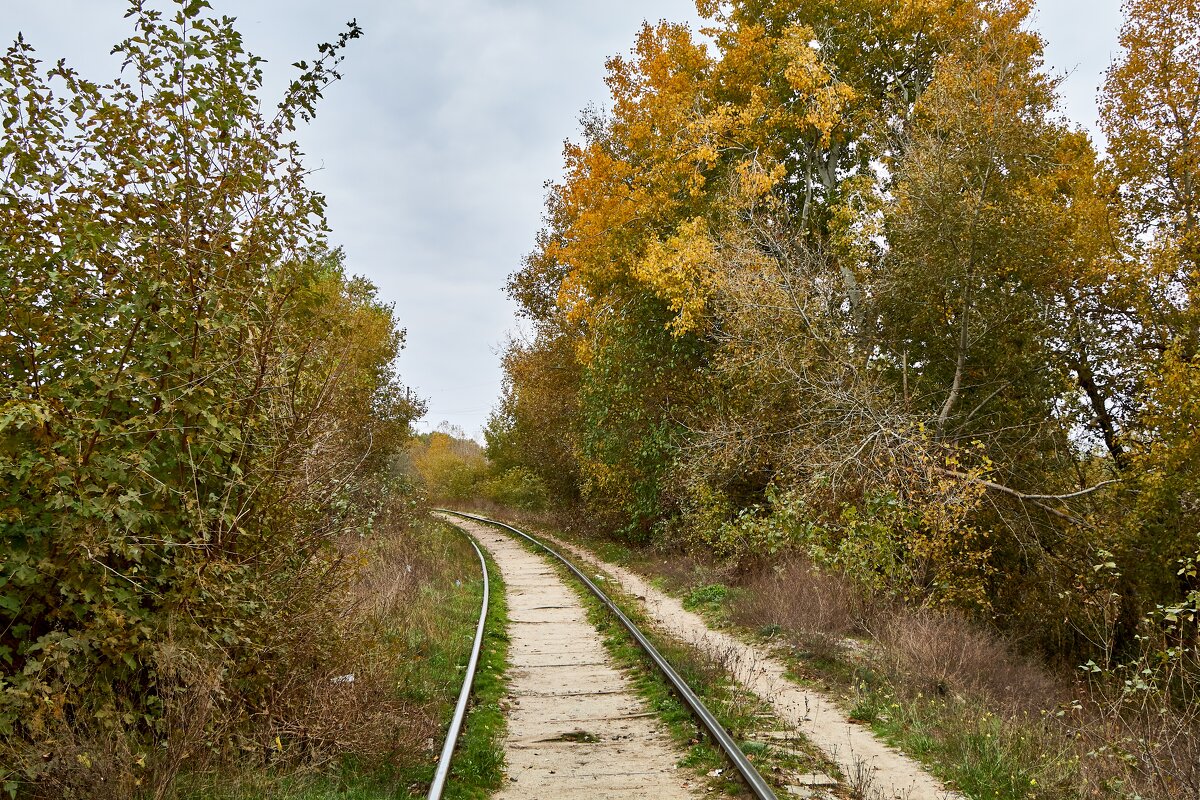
[822, 98]
[693, 137]
[1150, 110]
[637, 174]
[755, 182]
[656, 94]
[773, 88]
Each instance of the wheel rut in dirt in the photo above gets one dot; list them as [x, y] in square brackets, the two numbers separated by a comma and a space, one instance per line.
[576, 728]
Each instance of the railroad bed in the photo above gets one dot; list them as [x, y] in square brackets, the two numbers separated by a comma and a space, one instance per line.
[576, 728]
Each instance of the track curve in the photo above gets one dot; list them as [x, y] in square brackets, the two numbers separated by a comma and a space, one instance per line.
[757, 785]
[460, 709]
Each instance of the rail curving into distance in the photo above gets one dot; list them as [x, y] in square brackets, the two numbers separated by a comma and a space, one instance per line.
[460, 709]
[757, 785]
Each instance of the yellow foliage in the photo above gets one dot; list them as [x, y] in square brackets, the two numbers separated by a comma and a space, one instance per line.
[449, 465]
[809, 77]
[691, 141]
[680, 270]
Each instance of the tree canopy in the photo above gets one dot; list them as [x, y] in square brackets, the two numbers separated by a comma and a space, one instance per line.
[840, 275]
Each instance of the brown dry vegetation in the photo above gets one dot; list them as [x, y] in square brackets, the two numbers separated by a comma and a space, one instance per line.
[389, 631]
[923, 650]
[398, 638]
[959, 672]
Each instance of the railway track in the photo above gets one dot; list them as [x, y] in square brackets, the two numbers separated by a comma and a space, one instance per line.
[550, 762]
[442, 772]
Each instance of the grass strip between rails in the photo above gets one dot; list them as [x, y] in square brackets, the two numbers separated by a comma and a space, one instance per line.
[477, 767]
[742, 713]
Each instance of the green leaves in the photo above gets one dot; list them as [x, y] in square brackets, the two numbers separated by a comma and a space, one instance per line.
[197, 401]
[192, 8]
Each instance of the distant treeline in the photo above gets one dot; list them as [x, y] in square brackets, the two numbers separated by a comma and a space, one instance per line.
[453, 468]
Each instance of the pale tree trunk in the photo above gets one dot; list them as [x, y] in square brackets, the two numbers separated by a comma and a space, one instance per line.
[960, 364]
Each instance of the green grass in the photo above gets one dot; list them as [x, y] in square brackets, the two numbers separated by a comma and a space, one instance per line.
[477, 767]
[962, 742]
[708, 599]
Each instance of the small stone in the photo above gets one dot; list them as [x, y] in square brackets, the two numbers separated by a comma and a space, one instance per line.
[778, 736]
[815, 779]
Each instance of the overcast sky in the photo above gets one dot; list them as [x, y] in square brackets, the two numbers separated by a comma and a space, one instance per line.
[434, 149]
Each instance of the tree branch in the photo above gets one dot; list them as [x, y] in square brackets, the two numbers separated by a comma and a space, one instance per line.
[1034, 499]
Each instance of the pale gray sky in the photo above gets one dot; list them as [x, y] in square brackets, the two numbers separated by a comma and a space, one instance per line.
[434, 149]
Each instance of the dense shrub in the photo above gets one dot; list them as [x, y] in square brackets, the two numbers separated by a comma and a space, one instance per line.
[447, 464]
[197, 404]
[517, 487]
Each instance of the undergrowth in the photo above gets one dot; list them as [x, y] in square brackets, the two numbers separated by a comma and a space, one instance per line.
[419, 597]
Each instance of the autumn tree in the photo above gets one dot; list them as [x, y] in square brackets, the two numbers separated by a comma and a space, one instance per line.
[534, 427]
[848, 258]
[1150, 111]
[601, 222]
[449, 464]
[971, 241]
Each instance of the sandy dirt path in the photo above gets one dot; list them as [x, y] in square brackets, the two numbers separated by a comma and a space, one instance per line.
[576, 728]
[874, 768]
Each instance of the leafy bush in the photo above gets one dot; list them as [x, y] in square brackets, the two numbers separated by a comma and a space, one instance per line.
[517, 487]
[1146, 709]
[198, 404]
[449, 465]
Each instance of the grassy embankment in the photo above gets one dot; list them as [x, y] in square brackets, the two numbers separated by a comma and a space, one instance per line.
[417, 605]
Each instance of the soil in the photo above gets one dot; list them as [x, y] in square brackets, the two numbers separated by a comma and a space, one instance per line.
[576, 728]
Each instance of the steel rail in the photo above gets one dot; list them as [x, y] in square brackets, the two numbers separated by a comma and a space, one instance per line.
[460, 709]
[757, 785]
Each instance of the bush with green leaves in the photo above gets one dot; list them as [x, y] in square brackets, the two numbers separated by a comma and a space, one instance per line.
[196, 404]
[517, 487]
[448, 464]
[1145, 710]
